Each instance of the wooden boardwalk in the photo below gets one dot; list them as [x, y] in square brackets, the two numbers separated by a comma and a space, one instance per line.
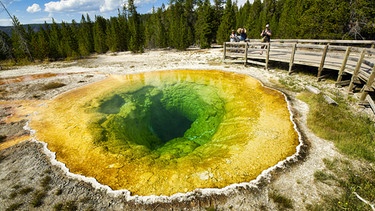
[352, 59]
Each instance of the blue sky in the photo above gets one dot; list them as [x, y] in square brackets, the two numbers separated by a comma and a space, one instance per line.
[40, 11]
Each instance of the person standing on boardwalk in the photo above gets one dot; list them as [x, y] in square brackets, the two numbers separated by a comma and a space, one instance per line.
[242, 33]
[266, 35]
[233, 37]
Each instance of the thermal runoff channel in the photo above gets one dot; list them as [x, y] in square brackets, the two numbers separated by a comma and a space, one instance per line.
[167, 132]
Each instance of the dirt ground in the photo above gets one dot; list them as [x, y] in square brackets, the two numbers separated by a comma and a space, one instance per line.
[30, 178]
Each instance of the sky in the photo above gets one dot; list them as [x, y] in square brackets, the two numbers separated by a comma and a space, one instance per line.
[40, 11]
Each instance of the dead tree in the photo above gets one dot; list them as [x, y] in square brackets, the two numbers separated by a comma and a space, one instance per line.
[18, 29]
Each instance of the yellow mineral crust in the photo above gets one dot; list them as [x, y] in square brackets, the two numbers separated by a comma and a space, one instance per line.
[256, 133]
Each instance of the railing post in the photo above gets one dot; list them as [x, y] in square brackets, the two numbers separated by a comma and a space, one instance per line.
[347, 53]
[267, 55]
[368, 85]
[225, 50]
[356, 71]
[292, 58]
[322, 61]
[246, 49]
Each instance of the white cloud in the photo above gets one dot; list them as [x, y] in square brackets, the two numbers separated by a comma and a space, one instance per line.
[110, 5]
[83, 5]
[138, 2]
[6, 22]
[33, 8]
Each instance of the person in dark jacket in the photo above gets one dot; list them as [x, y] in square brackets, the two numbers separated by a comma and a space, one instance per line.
[266, 36]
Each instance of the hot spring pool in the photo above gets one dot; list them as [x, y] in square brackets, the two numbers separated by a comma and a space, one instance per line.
[167, 132]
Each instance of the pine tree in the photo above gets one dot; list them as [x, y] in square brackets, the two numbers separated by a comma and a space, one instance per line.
[361, 20]
[151, 30]
[54, 35]
[329, 24]
[254, 26]
[113, 39]
[20, 44]
[190, 19]
[69, 43]
[85, 36]
[267, 15]
[99, 34]
[217, 16]
[290, 18]
[42, 49]
[228, 22]
[123, 32]
[136, 42]
[5, 48]
[243, 14]
[204, 30]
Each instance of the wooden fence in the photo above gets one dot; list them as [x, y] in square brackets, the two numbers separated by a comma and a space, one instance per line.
[349, 57]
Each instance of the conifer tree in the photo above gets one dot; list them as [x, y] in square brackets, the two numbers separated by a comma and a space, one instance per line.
[151, 30]
[69, 43]
[123, 32]
[254, 26]
[190, 19]
[330, 22]
[5, 48]
[290, 18]
[228, 22]
[54, 36]
[40, 45]
[361, 20]
[99, 34]
[267, 16]
[204, 30]
[113, 40]
[217, 16]
[161, 32]
[136, 42]
[243, 14]
[156, 35]
[177, 29]
[20, 44]
[85, 36]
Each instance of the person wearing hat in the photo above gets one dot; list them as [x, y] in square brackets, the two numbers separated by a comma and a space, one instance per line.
[233, 37]
[266, 36]
[243, 34]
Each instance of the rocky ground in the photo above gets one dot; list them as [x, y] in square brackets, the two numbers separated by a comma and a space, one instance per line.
[31, 180]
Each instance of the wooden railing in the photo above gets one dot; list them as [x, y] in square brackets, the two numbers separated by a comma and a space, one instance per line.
[351, 58]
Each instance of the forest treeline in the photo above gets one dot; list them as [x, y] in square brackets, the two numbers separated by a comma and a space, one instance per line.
[189, 22]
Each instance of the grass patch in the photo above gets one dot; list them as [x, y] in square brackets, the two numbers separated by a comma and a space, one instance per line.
[17, 186]
[53, 85]
[46, 181]
[59, 192]
[27, 190]
[282, 201]
[323, 176]
[13, 195]
[38, 197]
[352, 133]
[14, 206]
[352, 179]
[68, 206]
[291, 83]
